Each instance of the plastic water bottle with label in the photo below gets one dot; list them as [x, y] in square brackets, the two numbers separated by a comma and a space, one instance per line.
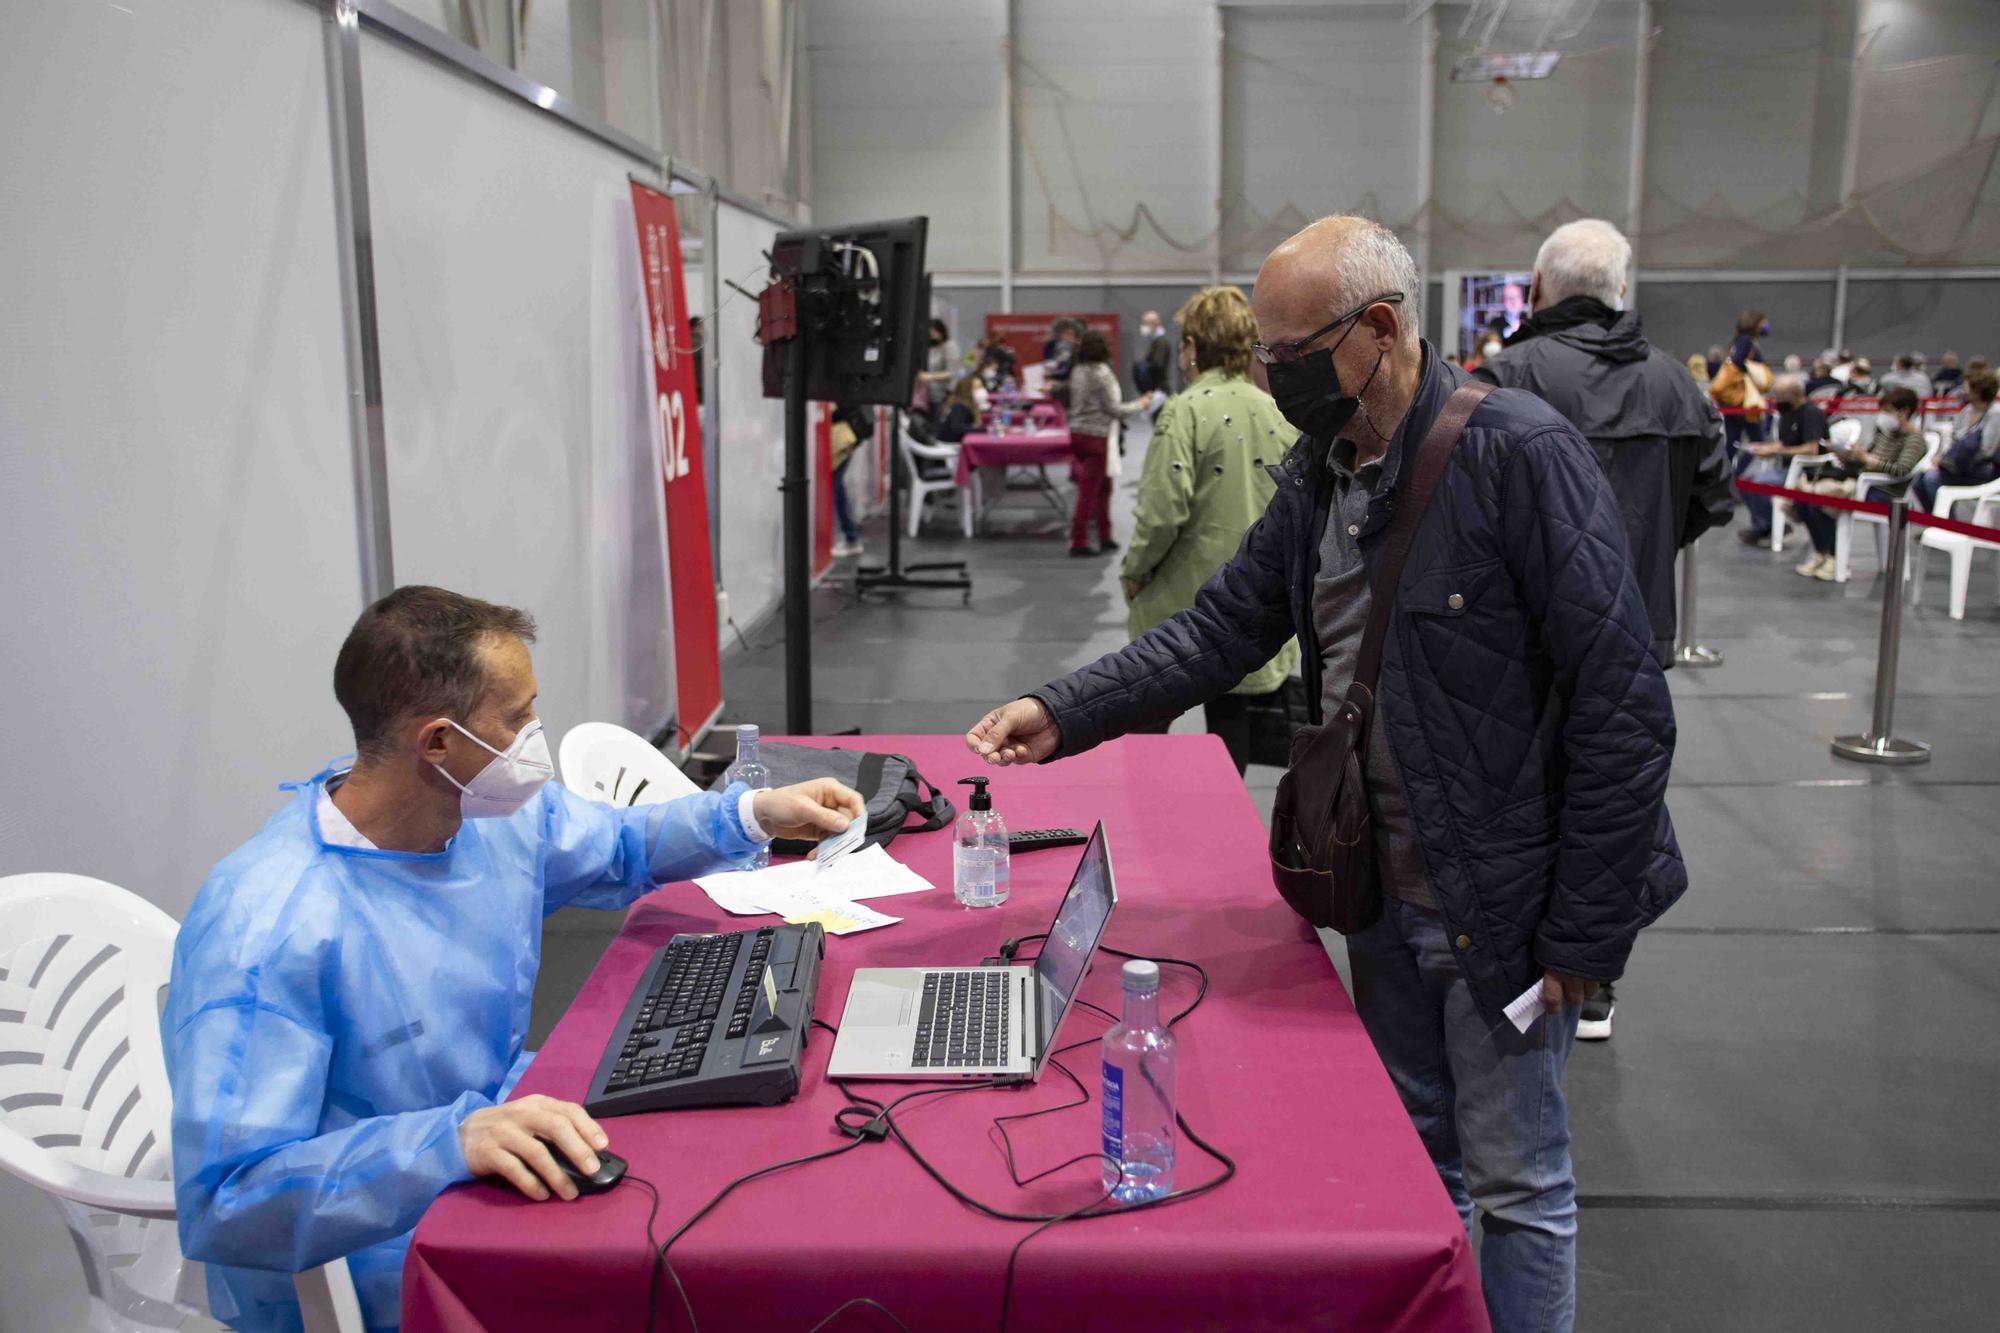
[1139, 1092]
[979, 853]
[750, 769]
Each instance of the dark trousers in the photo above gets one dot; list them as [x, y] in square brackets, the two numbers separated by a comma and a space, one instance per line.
[843, 508]
[1093, 490]
[1227, 717]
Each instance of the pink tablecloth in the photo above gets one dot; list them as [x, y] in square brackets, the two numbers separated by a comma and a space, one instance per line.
[1334, 1220]
[1015, 449]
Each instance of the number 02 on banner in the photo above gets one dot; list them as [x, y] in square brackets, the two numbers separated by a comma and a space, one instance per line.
[673, 436]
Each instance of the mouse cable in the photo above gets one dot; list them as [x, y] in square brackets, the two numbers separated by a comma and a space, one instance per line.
[858, 1134]
[1096, 1207]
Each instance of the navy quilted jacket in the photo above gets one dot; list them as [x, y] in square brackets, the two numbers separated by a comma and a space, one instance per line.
[1524, 707]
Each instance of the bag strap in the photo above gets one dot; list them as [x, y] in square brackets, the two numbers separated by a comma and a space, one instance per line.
[1432, 456]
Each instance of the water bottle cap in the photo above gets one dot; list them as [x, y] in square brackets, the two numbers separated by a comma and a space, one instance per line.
[746, 731]
[1141, 974]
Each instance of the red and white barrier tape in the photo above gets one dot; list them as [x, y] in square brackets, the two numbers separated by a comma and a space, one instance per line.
[1917, 516]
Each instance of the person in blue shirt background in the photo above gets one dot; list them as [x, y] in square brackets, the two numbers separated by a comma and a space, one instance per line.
[350, 989]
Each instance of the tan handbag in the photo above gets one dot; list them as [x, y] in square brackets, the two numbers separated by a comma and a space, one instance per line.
[1322, 839]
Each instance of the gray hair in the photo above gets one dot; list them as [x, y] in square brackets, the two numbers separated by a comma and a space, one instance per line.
[1374, 263]
[1587, 257]
[1788, 381]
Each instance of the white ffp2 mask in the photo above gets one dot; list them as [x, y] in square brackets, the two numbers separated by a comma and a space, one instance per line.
[510, 781]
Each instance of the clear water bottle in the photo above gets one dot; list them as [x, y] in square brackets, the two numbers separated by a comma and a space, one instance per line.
[1139, 1092]
[749, 769]
[979, 854]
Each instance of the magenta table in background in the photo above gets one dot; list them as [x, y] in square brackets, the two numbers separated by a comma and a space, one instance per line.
[1015, 449]
[1335, 1219]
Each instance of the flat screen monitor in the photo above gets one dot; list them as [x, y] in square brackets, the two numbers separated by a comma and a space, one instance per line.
[1489, 300]
[863, 302]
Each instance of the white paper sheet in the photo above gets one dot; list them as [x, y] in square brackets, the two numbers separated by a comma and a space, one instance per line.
[869, 873]
[1526, 1008]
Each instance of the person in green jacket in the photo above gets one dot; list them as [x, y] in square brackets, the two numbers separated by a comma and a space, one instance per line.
[1202, 487]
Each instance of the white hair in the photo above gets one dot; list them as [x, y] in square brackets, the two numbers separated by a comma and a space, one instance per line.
[1373, 263]
[1587, 257]
[1788, 381]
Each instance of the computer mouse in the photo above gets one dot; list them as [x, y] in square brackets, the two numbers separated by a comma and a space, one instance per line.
[610, 1170]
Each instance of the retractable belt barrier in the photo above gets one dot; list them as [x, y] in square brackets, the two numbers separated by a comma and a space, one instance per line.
[1880, 744]
[1854, 405]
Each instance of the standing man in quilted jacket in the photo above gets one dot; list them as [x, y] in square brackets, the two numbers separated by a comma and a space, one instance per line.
[1517, 765]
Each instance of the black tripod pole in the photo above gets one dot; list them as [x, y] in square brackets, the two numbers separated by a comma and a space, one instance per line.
[798, 547]
[879, 578]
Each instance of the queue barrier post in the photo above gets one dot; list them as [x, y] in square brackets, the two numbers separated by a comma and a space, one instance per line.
[1687, 652]
[1880, 744]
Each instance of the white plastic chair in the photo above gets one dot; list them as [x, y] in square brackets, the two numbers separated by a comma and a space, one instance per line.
[1960, 547]
[1843, 538]
[85, 1109]
[926, 481]
[1841, 435]
[602, 761]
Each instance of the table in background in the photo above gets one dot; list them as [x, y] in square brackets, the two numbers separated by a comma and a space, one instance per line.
[1028, 448]
[1335, 1218]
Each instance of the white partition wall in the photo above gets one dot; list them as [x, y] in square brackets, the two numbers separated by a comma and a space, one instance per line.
[177, 533]
[522, 467]
[750, 449]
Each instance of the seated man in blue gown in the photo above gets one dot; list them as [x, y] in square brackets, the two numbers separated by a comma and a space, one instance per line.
[350, 989]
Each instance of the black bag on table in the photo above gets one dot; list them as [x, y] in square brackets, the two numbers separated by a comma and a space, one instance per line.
[889, 783]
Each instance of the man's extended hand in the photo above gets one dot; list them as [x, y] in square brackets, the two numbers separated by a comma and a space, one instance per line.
[809, 811]
[513, 1140]
[1022, 732]
[1558, 987]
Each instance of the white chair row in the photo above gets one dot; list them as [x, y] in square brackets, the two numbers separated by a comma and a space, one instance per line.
[85, 1108]
[1843, 434]
[1985, 501]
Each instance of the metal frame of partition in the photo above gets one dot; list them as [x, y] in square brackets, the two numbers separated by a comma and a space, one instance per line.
[344, 20]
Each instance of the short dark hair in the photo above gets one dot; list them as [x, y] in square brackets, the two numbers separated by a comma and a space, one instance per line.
[1901, 398]
[1749, 321]
[1092, 346]
[1982, 385]
[417, 652]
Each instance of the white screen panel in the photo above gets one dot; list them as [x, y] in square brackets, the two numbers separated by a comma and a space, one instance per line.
[751, 448]
[522, 464]
[176, 494]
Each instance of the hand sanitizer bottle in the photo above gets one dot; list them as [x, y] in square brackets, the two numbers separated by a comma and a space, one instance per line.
[979, 854]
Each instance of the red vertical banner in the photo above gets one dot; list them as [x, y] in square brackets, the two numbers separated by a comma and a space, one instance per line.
[822, 433]
[690, 571]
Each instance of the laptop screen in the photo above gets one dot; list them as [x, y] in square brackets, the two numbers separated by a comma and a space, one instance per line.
[1072, 939]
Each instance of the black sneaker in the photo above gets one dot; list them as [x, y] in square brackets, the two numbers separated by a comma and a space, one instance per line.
[1753, 537]
[1595, 1022]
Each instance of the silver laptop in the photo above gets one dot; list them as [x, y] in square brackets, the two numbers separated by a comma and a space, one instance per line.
[944, 1023]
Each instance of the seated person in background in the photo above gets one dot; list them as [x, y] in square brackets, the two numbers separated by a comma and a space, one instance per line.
[1697, 365]
[1908, 374]
[1897, 448]
[1861, 378]
[964, 408]
[1948, 377]
[1801, 431]
[1821, 383]
[1973, 457]
[1205, 482]
[1793, 365]
[350, 989]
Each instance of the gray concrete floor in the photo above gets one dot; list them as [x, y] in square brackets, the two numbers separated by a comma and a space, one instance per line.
[1793, 1127]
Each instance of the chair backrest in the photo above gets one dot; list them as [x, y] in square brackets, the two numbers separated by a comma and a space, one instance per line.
[915, 448]
[84, 1100]
[1844, 433]
[82, 1076]
[1933, 444]
[602, 761]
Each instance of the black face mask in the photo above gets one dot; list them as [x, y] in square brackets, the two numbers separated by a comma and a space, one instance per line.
[1307, 390]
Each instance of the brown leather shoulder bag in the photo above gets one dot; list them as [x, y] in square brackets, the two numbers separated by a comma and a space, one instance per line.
[1322, 841]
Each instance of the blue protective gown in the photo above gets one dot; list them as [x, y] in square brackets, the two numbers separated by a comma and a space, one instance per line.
[336, 1012]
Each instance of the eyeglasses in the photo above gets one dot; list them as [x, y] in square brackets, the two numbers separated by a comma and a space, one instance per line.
[1293, 350]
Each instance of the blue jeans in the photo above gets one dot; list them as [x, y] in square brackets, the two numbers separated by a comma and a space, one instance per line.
[1488, 1104]
[843, 509]
[1752, 468]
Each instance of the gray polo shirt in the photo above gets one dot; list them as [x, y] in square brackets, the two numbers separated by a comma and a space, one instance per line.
[1339, 613]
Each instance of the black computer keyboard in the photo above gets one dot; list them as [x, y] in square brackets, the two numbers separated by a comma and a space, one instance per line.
[963, 1020]
[701, 1030]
